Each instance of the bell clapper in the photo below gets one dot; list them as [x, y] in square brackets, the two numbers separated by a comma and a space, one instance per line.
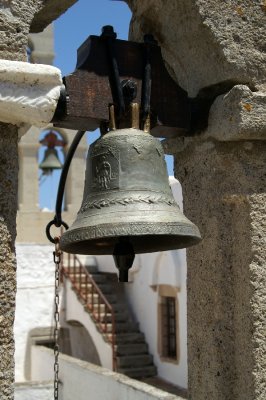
[123, 256]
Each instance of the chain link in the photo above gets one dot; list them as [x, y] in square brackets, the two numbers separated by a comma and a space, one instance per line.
[57, 260]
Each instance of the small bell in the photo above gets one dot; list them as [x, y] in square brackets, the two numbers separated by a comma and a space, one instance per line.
[50, 161]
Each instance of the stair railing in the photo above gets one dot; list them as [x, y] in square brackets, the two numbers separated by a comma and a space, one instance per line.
[79, 277]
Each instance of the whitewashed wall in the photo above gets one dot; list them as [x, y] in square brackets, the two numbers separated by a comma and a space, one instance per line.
[34, 391]
[34, 300]
[73, 310]
[84, 381]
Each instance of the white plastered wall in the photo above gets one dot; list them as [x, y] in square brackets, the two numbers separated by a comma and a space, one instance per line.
[34, 300]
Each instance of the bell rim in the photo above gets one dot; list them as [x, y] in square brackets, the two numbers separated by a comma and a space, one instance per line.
[77, 237]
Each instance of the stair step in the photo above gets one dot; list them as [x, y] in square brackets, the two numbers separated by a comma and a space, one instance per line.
[76, 278]
[120, 307]
[104, 321]
[92, 269]
[134, 337]
[79, 272]
[75, 270]
[120, 327]
[138, 373]
[127, 326]
[111, 298]
[81, 275]
[99, 278]
[118, 310]
[131, 348]
[134, 361]
[107, 317]
[103, 318]
[105, 288]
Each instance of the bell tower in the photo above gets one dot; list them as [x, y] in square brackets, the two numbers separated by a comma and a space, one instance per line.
[32, 218]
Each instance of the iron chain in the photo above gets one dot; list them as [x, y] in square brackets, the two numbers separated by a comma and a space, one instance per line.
[57, 260]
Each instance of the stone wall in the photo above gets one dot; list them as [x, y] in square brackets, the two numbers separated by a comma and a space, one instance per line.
[16, 17]
[224, 191]
[8, 201]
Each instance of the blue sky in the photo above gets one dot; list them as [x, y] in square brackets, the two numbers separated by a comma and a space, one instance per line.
[83, 19]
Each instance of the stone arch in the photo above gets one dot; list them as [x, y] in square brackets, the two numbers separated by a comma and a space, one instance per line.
[172, 260]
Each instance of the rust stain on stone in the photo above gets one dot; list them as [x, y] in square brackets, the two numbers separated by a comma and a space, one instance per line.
[247, 107]
[263, 5]
[239, 11]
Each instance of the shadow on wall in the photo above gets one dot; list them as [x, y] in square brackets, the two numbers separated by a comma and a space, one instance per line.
[81, 345]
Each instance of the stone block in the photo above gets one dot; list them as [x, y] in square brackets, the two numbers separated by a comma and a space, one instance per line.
[238, 115]
[206, 42]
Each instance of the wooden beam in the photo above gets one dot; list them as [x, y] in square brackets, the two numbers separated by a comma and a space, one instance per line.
[89, 88]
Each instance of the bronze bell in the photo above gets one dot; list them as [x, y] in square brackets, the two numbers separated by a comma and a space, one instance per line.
[128, 206]
[50, 161]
